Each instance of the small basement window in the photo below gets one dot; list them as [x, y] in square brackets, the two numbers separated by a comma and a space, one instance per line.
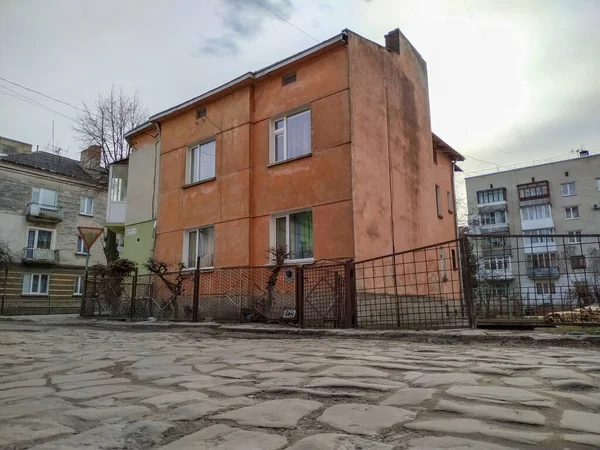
[289, 79]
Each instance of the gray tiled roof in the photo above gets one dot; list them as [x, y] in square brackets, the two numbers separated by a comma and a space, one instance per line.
[53, 163]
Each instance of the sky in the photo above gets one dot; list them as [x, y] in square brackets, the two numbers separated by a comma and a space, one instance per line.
[511, 81]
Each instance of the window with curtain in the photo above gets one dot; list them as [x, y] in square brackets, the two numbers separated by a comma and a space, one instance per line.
[35, 284]
[291, 136]
[201, 165]
[295, 231]
[200, 244]
[86, 205]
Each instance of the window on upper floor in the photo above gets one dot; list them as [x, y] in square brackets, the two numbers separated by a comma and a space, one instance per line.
[574, 237]
[568, 189]
[438, 201]
[35, 284]
[288, 79]
[491, 196]
[572, 212]
[199, 245]
[201, 161]
[542, 260]
[46, 198]
[81, 248]
[118, 184]
[294, 231]
[533, 190]
[290, 136]
[86, 205]
[539, 236]
[450, 203]
[536, 212]
[39, 239]
[497, 263]
[493, 218]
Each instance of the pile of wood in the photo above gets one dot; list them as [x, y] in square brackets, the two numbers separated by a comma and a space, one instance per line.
[589, 314]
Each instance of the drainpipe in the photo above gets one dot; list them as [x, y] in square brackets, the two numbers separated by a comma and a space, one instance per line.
[156, 156]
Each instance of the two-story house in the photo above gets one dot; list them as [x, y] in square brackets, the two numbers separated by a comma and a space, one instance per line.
[329, 152]
[44, 197]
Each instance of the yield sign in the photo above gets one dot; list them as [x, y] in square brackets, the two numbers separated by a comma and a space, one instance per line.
[90, 235]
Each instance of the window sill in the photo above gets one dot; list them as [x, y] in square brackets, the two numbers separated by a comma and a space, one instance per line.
[293, 262]
[77, 295]
[569, 195]
[276, 163]
[86, 215]
[440, 216]
[196, 183]
[450, 212]
[571, 218]
[193, 269]
[80, 254]
[32, 294]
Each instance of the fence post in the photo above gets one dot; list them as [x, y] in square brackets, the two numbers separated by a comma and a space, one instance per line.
[350, 307]
[196, 296]
[300, 295]
[4, 290]
[467, 282]
[133, 294]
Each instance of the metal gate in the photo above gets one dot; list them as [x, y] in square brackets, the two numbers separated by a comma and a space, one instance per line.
[325, 294]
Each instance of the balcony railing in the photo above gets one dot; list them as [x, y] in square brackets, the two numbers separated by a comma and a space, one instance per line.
[543, 272]
[46, 213]
[40, 255]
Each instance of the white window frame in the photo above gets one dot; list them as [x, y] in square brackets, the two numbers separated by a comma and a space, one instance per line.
[44, 205]
[568, 189]
[495, 215]
[574, 237]
[506, 263]
[37, 230]
[273, 234]
[273, 133]
[83, 203]
[547, 288]
[189, 179]
[78, 286]
[120, 190]
[39, 275]
[571, 209]
[186, 242]
[540, 235]
[483, 197]
[598, 184]
[78, 250]
[537, 208]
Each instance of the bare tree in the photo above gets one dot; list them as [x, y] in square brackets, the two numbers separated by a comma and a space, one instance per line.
[105, 124]
[7, 257]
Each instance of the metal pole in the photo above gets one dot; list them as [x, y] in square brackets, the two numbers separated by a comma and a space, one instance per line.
[85, 277]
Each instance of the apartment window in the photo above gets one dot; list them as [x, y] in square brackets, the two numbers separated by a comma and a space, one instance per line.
[450, 203]
[78, 286]
[81, 248]
[497, 242]
[578, 262]
[35, 284]
[295, 231]
[545, 288]
[44, 197]
[533, 190]
[572, 212]
[598, 184]
[86, 205]
[498, 289]
[542, 260]
[536, 212]
[541, 235]
[491, 196]
[118, 184]
[568, 189]
[574, 237]
[288, 79]
[201, 161]
[291, 136]
[39, 244]
[497, 263]
[438, 201]
[493, 218]
[200, 243]
[434, 156]
[454, 263]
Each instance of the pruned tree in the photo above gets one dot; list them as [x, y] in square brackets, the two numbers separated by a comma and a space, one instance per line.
[7, 258]
[279, 254]
[104, 124]
[175, 286]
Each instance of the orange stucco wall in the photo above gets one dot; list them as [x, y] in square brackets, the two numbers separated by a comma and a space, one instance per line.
[394, 176]
[246, 190]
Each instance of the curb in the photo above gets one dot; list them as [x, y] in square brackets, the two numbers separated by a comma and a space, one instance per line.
[463, 336]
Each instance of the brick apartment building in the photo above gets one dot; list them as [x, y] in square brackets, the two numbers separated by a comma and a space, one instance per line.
[329, 151]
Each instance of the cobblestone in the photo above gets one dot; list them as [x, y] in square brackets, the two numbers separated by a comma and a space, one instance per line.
[71, 388]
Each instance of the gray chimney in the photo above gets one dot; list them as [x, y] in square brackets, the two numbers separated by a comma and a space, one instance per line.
[392, 40]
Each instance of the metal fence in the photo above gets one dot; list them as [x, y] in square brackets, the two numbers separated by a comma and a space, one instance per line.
[535, 278]
[224, 294]
[420, 288]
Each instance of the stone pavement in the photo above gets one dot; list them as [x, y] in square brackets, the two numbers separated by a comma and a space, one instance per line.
[71, 388]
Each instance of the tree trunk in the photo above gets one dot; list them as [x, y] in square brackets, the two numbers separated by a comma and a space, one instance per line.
[110, 247]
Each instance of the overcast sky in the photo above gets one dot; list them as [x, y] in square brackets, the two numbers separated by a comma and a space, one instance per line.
[510, 81]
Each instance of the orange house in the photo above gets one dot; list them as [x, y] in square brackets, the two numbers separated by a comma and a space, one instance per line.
[329, 152]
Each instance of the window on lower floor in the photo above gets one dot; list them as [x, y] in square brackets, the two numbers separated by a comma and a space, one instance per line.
[542, 260]
[35, 284]
[295, 231]
[78, 286]
[545, 288]
[574, 237]
[498, 289]
[540, 235]
[497, 263]
[200, 246]
[81, 248]
[578, 262]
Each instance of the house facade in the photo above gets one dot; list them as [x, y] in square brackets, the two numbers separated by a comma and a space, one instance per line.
[43, 199]
[538, 202]
[133, 196]
[329, 152]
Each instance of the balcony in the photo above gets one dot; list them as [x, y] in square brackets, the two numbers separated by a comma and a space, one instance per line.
[36, 212]
[497, 274]
[40, 255]
[496, 228]
[543, 272]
